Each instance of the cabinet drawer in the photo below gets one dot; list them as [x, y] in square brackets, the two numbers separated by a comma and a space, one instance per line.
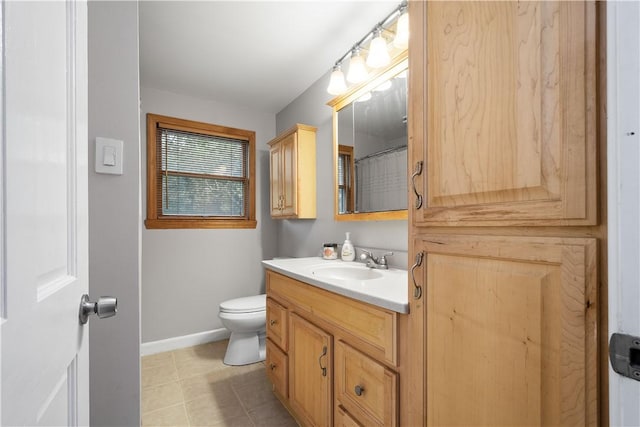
[365, 388]
[277, 323]
[277, 366]
[374, 325]
[343, 419]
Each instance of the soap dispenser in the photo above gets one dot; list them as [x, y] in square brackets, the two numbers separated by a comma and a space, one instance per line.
[348, 252]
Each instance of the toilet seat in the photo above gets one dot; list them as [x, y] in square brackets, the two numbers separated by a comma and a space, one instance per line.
[252, 304]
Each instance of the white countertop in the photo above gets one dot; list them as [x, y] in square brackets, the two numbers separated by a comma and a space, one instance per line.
[387, 288]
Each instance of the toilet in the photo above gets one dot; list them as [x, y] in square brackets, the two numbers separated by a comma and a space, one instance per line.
[246, 318]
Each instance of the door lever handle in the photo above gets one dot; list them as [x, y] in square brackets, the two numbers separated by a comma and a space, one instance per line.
[104, 307]
[417, 171]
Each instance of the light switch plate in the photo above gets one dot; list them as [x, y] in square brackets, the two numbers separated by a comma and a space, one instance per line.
[109, 156]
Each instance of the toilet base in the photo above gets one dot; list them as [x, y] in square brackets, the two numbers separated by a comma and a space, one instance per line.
[245, 348]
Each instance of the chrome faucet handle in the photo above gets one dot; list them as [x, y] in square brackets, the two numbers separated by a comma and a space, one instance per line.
[383, 258]
[366, 254]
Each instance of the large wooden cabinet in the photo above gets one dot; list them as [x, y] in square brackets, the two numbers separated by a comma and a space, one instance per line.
[505, 228]
[332, 360]
[293, 173]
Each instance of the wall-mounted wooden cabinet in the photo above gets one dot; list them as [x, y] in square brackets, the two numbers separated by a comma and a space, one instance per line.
[293, 173]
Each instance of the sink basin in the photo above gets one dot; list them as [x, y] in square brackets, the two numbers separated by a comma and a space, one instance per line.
[383, 288]
[346, 273]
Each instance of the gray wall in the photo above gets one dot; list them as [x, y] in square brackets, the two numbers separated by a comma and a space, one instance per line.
[305, 238]
[114, 214]
[186, 274]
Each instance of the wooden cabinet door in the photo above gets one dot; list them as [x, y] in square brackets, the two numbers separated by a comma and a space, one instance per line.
[310, 372]
[275, 185]
[503, 113]
[511, 333]
[289, 174]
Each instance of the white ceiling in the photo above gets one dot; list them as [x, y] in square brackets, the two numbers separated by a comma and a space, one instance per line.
[258, 54]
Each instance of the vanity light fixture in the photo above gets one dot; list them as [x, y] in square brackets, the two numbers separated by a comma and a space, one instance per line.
[337, 85]
[357, 70]
[378, 50]
[401, 40]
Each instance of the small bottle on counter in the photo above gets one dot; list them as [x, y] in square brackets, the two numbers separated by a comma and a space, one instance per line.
[348, 252]
[330, 251]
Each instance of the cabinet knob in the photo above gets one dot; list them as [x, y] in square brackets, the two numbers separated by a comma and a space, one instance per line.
[358, 390]
[273, 366]
[272, 322]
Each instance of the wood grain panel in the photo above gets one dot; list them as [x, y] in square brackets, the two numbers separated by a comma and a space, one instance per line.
[289, 150]
[310, 389]
[511, 330]
[277, 323]
[510, 112]
[277, 366]
[343, 419]
[374, 325]
[275, 184]
[377, 405]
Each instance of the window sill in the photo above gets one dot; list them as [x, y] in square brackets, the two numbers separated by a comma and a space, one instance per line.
[199, 223]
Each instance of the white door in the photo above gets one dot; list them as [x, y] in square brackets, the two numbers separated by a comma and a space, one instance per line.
[45, 374]
[623, 129]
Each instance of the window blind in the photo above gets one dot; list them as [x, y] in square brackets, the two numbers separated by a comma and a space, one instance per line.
[201, 175]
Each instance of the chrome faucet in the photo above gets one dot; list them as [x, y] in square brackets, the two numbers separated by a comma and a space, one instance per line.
[373, 262]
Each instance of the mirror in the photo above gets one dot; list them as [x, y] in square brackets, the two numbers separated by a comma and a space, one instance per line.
[370, 147]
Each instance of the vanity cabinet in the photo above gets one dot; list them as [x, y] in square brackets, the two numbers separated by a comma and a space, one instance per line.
[293, 173]
[504, 143]
[342, 356]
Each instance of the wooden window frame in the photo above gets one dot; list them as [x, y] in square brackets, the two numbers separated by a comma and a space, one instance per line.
[347, 151]
[155, 219]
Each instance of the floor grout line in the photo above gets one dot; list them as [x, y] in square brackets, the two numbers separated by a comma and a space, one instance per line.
[228, 373]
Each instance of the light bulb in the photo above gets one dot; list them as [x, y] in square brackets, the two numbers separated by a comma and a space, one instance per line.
[337, 85]
[401, 41]
[357, 70]
[378, 52]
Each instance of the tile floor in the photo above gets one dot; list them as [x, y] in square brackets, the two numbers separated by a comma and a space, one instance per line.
[192, 387]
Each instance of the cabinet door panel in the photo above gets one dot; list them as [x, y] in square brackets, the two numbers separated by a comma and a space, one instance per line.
[509, 118]
[289, 174]
[275, 156]
[310, 350]
[511, 330]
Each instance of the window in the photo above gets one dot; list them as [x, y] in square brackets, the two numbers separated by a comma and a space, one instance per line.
[199, 175]
[345, 179]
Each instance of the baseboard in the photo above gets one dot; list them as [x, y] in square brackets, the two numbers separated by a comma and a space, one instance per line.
[174, 343]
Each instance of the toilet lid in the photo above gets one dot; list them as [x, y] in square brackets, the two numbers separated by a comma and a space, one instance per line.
[245, 305]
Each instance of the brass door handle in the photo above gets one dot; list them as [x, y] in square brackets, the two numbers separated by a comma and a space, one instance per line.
[417, 171]
[323, 368]
[417, 291]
